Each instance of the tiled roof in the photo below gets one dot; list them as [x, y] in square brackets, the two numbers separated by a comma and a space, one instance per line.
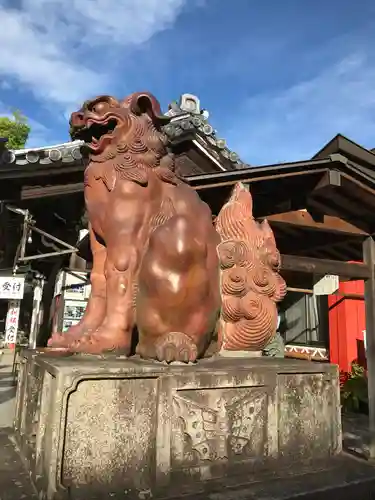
[65, 153]
[189, 121]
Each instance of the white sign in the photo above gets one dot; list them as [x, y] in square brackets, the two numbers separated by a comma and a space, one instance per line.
[87, 291]
[36, 315]
[59, 283]
[12, 287]
[75, 285]
[328, 285]
[11, 323]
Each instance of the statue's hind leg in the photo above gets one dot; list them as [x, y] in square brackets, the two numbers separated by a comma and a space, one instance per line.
[96, 306]
[177, 301]
[115, 332]
[124, 239]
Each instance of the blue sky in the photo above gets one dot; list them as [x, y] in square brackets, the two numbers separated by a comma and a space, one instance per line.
[279, 77]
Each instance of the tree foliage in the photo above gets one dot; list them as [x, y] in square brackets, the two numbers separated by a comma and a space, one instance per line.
[15, 129]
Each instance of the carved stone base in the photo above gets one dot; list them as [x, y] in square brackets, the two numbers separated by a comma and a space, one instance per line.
[90, 426]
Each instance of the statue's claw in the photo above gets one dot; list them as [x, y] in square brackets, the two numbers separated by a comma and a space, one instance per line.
[176, 346]
[102, 341]
[60, 340]
[64, 340]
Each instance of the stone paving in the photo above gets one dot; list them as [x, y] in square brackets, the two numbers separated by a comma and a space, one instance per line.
[15, 483]
[14, 480]
[7, 389]
[356, 435]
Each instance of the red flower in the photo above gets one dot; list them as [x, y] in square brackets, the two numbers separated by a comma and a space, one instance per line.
[344, 376]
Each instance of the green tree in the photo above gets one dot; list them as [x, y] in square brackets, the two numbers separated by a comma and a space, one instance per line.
[15, 129]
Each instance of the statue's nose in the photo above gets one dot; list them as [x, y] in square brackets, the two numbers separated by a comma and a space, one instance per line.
[77, 119]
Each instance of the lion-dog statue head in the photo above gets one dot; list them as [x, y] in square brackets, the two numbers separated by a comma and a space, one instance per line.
[125, 134]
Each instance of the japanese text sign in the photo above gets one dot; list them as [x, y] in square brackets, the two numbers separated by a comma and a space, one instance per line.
[12, 287]
[11, 324]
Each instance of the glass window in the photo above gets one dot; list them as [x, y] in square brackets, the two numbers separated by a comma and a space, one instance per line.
[304, 319]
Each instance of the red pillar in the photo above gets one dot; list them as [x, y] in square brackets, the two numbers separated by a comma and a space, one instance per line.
[347, 321]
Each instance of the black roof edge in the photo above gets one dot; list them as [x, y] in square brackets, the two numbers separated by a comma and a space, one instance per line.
[334, 161]
[341, 144]
[245, 173]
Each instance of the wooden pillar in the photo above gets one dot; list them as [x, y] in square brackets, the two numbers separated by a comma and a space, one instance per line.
[369, 260]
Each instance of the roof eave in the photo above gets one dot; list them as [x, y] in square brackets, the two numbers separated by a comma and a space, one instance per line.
[347, 147]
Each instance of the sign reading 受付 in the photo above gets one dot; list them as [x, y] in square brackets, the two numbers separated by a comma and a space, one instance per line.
[12, 287]
[11, 323]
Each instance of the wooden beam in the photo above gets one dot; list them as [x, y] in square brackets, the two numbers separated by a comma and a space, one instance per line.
[339, 203]
[312, 265]
[347, 179]
[340, 250]
[369, 258]
[303, 219]
[332, 178]
[32, 192]
[329, 205]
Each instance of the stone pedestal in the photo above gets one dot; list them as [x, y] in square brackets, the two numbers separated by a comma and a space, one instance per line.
[91, 426]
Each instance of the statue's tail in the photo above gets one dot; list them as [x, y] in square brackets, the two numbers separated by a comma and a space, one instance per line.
[250, 282]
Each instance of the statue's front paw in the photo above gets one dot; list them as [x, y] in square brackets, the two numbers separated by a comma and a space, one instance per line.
[176, 346]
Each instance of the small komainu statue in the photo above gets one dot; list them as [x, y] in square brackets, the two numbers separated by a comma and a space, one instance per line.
[250, 282]
[160, 268]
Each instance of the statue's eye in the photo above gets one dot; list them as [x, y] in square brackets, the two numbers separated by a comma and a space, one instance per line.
[100, 107]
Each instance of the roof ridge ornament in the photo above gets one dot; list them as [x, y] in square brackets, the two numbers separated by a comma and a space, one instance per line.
[6, 156]
[190, 103]
[190, 122]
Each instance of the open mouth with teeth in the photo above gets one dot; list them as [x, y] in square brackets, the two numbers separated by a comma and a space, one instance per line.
[95, 132]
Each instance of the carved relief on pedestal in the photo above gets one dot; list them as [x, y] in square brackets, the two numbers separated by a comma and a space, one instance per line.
[32, 403]
[215, 424]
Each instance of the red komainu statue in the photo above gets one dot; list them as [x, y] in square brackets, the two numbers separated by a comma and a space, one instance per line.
[154, 247]
[155, 250]
[250, 282]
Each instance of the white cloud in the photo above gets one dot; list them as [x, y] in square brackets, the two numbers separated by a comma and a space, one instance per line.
[5, 85]
[44, 41]
[296, 122]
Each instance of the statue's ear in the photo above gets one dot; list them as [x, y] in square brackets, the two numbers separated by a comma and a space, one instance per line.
[144, 102]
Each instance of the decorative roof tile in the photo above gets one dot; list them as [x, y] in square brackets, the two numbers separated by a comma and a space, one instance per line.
[190, 122]
[67, 152]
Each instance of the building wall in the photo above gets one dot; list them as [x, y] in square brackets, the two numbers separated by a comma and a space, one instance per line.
[304, 326]
[305, 320]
